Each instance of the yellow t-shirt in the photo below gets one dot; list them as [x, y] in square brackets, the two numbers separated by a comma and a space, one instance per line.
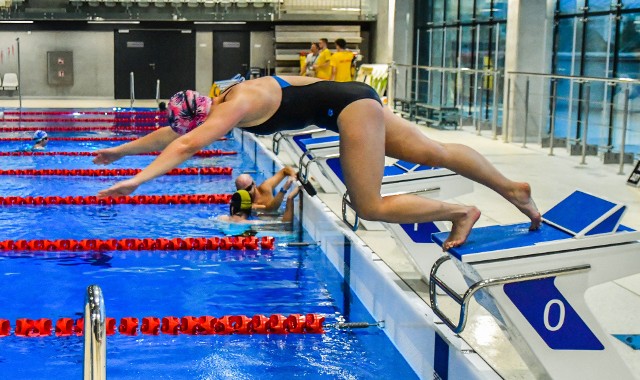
[341, 60]
[323, 72]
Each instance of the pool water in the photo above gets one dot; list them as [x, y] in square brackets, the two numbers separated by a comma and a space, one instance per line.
[285, 280]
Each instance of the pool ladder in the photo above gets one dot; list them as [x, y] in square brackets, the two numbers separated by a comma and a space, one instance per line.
[95, 343]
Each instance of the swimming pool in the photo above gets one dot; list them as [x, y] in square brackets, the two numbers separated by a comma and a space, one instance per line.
[285, 280]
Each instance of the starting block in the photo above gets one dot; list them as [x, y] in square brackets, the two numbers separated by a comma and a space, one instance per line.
[534, 282]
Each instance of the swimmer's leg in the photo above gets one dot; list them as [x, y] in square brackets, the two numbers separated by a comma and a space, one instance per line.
[362, 147]
[406, 142]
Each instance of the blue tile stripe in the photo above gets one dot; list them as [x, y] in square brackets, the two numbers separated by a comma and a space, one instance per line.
[441, 358]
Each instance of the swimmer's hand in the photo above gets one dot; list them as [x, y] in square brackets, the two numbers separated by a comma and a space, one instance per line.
[125, 187]
[106, 156]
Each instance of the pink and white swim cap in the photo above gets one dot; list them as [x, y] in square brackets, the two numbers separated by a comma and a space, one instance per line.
[187, 110]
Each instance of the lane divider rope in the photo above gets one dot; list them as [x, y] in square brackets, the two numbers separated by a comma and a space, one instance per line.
[74, 113]
[81, 128]
[114, 138]
[226, 243]
[88, 120]
[170, 325]
[176, 199]
[202, 153]
[114, 172]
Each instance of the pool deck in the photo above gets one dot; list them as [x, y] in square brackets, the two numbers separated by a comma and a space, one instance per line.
[551, 178]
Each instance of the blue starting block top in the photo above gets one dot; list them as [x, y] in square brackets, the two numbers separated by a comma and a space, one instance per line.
[397, 168]
[578, 215]
[305, 141]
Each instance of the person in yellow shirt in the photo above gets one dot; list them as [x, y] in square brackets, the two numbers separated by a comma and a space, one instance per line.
[322, 67]
[341, 62]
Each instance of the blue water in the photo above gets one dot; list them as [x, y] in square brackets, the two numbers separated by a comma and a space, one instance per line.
[171, 283]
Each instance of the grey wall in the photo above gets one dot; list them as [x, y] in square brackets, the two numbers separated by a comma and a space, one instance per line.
[92, 62]
[262, 49]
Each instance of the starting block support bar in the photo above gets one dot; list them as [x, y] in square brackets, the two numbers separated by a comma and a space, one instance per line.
[534, 284]
[304, 165]
[278, 136]
[463, 301]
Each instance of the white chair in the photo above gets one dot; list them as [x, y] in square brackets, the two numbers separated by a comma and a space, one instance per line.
[10, 82]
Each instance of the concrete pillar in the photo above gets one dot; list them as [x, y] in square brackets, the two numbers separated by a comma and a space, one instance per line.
[528, 49]
[204, 61]
[394, 32]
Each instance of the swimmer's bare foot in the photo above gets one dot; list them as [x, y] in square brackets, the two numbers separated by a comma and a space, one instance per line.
[521, 198]
[461, 228]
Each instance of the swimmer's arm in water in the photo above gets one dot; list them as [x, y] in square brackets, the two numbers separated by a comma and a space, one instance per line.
[271, 183]
[288, 210]
[154, 141]
[223, 118]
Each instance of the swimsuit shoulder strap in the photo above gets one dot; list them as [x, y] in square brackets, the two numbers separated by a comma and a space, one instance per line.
[226, 90]
[283, 83]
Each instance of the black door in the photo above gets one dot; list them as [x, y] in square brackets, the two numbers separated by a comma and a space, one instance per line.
[231, 54]
[169, 56]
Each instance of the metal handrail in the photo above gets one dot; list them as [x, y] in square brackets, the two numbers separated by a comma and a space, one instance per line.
[95, 343]
[463, 300]
[278, 136]
[304, 166]
[451, 69]
[577, 78]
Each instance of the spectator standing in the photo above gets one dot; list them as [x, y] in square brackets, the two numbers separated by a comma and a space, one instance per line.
[323, 66]
[307, 70]
[341, 62]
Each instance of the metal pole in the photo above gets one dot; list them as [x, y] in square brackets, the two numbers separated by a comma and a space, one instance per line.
[585, 130]
[494, 121]
[526, 113]
[505, 116]
[478, 105]
[391, 85]
[95, 342]
[552, 132]
[625, 119]
[19, 77]
[132, 90]
[158, 91]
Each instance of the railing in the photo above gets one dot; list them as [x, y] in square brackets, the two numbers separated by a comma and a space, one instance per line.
[449, 97]
[95, 343]
[587, 115]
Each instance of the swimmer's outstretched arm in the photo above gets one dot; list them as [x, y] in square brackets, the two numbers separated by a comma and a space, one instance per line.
[220, 121]
[288, 210]
[154, 141]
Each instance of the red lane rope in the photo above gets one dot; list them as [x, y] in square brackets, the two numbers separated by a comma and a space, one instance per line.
[146, 244]
[70, 113]
[115, 138]
[81, 128]
[176, 199]
[170, 325]
[87, 120]
[202, 153]
[114, 172]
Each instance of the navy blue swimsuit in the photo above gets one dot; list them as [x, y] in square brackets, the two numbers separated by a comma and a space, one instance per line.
[318, 103]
